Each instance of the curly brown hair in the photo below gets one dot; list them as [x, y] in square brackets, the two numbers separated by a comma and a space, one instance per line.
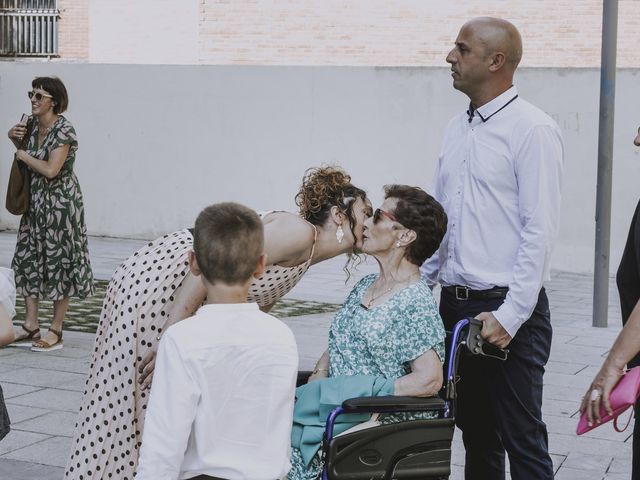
[326, 187]
[420, 212]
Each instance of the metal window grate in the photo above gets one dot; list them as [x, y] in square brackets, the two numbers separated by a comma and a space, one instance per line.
[28, 27]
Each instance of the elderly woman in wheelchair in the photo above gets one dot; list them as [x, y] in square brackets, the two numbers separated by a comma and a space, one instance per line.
[387, 339]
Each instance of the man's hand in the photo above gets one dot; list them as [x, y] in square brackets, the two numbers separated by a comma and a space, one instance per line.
[492, 331]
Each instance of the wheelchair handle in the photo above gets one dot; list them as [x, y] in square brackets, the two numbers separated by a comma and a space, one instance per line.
[478, 346]
[469, 329]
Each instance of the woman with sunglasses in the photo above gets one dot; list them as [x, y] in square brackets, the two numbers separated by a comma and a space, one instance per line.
[153, 289]
[51, 259]
[389, 326]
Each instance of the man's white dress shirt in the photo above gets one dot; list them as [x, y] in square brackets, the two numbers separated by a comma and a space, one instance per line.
[499, 178]
[222, 397]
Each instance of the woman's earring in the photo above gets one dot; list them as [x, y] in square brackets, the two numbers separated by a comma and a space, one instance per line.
[397, 244]
[339, 234]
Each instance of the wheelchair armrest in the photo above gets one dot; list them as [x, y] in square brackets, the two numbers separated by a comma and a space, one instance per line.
[392, 404]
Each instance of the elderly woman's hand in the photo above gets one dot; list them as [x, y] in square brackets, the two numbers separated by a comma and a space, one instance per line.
[318, 374]
[598, 392]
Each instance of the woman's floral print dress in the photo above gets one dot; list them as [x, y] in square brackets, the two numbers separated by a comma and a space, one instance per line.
[51, 260]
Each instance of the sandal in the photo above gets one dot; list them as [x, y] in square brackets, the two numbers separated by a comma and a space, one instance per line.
[42, 345]
[27, 339]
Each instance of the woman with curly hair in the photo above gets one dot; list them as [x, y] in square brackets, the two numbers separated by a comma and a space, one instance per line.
[153, 289]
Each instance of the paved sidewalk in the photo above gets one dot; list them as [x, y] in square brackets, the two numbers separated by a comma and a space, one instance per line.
[43, 390]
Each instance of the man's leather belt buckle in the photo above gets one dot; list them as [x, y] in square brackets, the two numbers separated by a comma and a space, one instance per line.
[462, 293]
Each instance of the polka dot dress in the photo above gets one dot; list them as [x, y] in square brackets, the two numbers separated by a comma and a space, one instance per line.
[108, 431]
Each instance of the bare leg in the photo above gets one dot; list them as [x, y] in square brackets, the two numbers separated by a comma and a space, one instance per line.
[59, 311]
[31, 321]
[31, 316]
[6, 327]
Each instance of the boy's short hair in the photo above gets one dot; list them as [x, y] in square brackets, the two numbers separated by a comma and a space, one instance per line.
[228, 241]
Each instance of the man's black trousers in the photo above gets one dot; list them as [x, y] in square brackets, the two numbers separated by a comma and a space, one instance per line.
[499, 404]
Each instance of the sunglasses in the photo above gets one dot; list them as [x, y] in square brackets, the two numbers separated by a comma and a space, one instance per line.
[379, 213]
[38, 96]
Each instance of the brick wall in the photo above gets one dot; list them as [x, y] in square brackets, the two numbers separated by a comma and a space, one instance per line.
[557, 33]
[73, 29]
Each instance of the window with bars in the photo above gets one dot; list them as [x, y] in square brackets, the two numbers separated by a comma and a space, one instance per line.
[29, 28]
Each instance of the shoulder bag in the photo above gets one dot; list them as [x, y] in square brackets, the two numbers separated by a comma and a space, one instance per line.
[18, 190]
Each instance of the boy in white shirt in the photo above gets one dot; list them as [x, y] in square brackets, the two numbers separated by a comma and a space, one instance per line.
[222, 397]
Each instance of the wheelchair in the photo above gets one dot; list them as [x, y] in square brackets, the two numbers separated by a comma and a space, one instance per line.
[418, 449]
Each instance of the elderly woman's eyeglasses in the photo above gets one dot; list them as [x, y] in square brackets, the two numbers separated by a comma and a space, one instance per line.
[379, 213]
[37, 95]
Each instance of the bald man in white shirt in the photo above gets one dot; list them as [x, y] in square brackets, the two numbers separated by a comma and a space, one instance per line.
[498, 178]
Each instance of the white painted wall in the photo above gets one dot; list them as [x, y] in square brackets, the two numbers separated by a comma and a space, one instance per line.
[157, 143]
[144, 31]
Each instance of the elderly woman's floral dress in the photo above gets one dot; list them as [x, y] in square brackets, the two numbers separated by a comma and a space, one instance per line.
[380, 341]
[52, 258]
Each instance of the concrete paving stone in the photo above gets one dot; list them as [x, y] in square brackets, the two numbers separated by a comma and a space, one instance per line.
[573, 309]
[573, 474]
[7, 365]
[560, 408]
[594, 358]
[52, 423]
[620, 465]
[562, 379]
[18, 470]
[578, 351]
[52, 451]
[617, 476]
[570, 368]
[589, 371]
[587, 331]
[603, 432]
[560, 338]
[51, 399]
[8, 352]
[20, 413]
[581, 461]
[73, 351]
[604, 341]
[560, 424]
[45, 378]
[11, 390]
[559, 392]
[17, 439]
[50, 362]
[563, 444]
[557, 460]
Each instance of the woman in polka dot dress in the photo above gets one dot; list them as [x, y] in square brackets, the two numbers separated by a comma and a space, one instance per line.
[153, 289]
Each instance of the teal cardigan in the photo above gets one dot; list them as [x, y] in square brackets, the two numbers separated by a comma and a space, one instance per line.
[316, 400]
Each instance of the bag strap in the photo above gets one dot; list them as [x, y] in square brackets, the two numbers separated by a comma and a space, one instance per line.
[615, 422]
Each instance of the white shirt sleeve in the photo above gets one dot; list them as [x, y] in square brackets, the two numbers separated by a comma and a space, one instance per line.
[170, 415]
[539, 173]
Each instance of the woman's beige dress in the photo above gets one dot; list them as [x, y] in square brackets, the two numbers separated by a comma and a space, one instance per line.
[108, 431]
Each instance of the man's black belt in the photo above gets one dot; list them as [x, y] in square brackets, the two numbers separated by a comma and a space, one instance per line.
[465, 293]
